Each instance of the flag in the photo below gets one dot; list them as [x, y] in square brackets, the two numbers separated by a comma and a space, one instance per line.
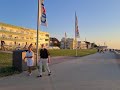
[43, 14]
[41, 19]
[65, 35]
[76, 27]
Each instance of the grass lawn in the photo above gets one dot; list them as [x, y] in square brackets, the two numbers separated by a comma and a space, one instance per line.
[6, 64]
[68, 52]
[6, 58]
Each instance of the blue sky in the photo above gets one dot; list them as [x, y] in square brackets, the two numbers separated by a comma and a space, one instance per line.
[99, 20]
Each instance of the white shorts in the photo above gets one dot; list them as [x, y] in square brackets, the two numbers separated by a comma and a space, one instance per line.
[29, 62]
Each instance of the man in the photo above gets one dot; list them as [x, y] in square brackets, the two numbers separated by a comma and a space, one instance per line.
[44, 60]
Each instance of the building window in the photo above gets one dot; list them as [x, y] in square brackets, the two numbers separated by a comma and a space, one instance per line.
[15, 43]
[27, 38]
[2, 28]
[16, 37]
[22, 37]
[27, 32]
[14, 31]
[3, 36]
[10, 43]
[31, 38]
[47, 35]
[11, 30]
[55, 41]
[46, 39]
[22, 32]
[10, 36]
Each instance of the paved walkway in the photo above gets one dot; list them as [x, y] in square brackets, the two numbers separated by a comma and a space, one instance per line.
[99, 71]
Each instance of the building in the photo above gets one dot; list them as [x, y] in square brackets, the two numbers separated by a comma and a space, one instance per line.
[54, 42]
[68, 43]
[15, 35]
[82, 45]
[88, 45]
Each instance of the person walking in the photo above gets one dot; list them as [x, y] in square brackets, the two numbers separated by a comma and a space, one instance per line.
[30, 58]
[44, 60]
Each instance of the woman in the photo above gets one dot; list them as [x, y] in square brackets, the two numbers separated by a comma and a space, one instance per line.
[30, 62]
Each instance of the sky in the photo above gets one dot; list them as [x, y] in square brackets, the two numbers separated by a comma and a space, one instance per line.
[98, 20]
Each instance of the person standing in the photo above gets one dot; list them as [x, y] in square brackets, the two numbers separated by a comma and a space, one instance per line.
[44, 60]
[25, 47]
[30, 62]
[3, 45]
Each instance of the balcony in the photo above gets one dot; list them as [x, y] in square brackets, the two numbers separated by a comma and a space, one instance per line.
[15, 33]
[13, 39]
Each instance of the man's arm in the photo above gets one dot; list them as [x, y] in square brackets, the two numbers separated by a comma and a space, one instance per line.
[48, 56]
[48, 59]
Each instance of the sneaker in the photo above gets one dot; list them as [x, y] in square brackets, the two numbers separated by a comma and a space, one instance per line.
[39, 76]
[29, 74]
[49, 74]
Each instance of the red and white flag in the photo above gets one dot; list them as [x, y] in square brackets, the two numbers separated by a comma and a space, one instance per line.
[43, 14]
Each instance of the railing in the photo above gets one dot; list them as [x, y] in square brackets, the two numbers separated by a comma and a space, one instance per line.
[13, 39]
[16, 33]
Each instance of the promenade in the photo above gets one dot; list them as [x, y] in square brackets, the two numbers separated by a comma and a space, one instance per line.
[100, 71]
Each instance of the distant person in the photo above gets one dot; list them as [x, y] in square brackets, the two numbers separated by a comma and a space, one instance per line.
[98, 50]
[2, 45]
[102, 51]
[31, 46]
[44, 60]
[25, 47]
[18, 47]
[30, 60]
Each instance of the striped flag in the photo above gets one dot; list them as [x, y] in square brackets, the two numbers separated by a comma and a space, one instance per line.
[41, 19]
[76, 27]
[65, 35]
[43, 14]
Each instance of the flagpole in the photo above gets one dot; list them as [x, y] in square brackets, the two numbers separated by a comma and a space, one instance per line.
[65, 40]
[75, 36]
[65, 43]
[38, 27]
[76, 46]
